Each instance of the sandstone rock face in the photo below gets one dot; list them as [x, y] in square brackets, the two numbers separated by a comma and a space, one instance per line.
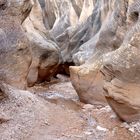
[45, 52]
[40, 38]
[114, 50]
[25, 58]
[91, 41]
[107, 37]
[121, 70]
[69, 24]
[15, 56]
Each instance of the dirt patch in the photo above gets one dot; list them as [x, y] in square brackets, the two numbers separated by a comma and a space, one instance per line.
[52, 111]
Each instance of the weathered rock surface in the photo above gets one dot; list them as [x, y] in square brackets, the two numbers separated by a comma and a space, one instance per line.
[119, 31]
[40, 38]
[45, 52]
[15, 56]
[87, 78]
[25, 58]
[121, 69]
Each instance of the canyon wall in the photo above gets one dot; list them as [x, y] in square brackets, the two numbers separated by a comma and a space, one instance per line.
[98, 39]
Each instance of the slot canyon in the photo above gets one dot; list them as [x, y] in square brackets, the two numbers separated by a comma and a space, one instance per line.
[69, 70]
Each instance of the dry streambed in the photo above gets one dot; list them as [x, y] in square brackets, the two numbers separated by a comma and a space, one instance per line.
[68, 119]
[52, 111]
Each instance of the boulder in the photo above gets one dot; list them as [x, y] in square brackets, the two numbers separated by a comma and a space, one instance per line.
[87, 81]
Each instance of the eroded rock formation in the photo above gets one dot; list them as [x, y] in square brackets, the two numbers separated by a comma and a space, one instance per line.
[87, 78]
[119, 35]
[45, 52]
[121, 69]
[27, 55]
[40, 38]
[15, 55]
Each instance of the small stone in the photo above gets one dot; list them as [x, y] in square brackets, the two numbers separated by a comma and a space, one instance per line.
[101, 128]
[46, 122]
[113, 116]
[88, 106]
[132, 130]
[88, 133]
[124, 125]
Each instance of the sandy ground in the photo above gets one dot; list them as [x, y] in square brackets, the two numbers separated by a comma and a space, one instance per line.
[52, 111]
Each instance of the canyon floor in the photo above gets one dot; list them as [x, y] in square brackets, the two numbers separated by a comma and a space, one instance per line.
[59, 115]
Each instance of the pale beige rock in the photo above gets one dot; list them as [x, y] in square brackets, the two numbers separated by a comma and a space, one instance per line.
[121, 70]
[45, 53]
[15, 57]
[86, 10]
[86, 78]
[93, 35]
